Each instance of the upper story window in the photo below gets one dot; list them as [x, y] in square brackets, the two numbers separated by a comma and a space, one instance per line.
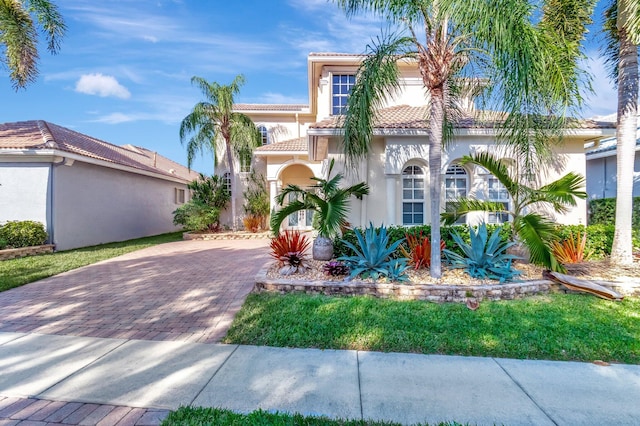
[340, 89]
[413, 195]
[265, 135]
[456, 185]
[497, 193]
[226, 178]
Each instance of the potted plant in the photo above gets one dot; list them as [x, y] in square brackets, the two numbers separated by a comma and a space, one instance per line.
[330, 205]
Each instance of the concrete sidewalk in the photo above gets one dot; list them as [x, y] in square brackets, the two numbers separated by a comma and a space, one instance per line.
[406, 388]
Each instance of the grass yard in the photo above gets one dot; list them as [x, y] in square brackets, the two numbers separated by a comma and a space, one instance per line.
[214, 416]
[17, 272]
[553, 327]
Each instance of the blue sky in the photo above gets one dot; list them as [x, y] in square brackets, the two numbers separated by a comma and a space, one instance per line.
[123, 73]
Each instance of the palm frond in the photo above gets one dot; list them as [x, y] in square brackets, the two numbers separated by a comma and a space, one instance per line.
[377, 77]
[50, 19]
[462, 206]
[562, 193]
[538, 233]
[279, 216]
[494, 166]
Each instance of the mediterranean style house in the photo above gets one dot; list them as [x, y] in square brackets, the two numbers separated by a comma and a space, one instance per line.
[84, 190]
[298, 142]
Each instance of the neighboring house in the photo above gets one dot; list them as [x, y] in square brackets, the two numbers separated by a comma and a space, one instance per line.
[602, 169]
[299, 141]
[86, 191]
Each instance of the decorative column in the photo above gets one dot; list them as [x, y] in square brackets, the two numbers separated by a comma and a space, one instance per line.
[392, 181]
[273, 193]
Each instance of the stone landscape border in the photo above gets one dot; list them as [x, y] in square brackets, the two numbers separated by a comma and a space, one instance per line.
[7, 254]
[226, 236]
[427, 292]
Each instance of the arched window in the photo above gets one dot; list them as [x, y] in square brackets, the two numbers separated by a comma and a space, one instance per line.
[456, 185]
[265, 135]
[413, 195]
[227, 181]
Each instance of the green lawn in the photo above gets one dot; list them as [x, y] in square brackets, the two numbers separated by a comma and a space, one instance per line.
[214, 416]
[553, 327]
[17, 272]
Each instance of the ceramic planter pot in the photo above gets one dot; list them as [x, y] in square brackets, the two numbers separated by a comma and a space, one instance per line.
[322, 248]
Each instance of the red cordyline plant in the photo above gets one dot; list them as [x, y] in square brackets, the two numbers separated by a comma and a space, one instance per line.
[289, 249]
[419, 250]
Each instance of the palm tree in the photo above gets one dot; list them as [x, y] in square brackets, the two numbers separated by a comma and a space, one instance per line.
[213, 119]
[535, 230]
[19, 36]
[326, 199]
[622, 32]
[528, 70]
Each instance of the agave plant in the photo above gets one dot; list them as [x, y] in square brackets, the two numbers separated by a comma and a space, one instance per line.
[535, 230]
[373, 256]
[485, 257]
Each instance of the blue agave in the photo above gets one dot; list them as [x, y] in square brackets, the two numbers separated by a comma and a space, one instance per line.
[485, 257]
[373, 257]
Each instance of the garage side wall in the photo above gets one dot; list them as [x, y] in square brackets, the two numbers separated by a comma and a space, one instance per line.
[24, 192]
[94, 205]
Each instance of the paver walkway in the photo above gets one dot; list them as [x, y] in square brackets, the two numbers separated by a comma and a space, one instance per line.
[186, 291]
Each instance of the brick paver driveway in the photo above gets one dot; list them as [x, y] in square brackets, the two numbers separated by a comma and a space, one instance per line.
[187, 290]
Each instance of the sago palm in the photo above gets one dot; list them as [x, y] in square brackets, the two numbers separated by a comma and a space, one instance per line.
[523, 58]
[326, 199]
[19, 20]
[213, 120]
[622, 31]
[534, 229]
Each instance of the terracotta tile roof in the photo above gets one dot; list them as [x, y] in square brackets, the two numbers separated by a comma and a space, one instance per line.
[414, 118]
[271, 107]
[39, 135]
[291, 145]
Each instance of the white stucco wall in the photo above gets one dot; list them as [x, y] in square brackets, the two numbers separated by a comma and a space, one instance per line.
[95, 205]
[24, 190]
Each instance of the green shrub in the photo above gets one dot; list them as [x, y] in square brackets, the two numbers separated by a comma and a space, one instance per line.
[197, 216]
[603, 212]
[599, 237]
[23, 233]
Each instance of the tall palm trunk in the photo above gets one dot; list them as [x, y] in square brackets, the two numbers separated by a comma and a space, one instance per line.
[436, 120]
[234, 226]
[621, 252]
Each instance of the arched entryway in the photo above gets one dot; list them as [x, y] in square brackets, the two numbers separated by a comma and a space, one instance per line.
[300, 175]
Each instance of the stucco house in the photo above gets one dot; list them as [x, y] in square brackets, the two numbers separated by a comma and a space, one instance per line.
[86, 191]
[300, 140]
[602, 169]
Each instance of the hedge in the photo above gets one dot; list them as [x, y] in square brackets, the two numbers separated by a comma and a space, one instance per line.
[599, 237]
[24, 233]
[603, 212]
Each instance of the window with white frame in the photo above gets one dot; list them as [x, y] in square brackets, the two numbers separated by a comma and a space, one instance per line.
[226, 178]
[456, 185]
[265, 135]
[413, 195]
[245, 161]
[498, 193]
[340, 89]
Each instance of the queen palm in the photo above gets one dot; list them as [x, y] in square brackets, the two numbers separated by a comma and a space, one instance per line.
[527, 69]
[328, 201]
[19, 36]
[534, 229]
[213, 120]
[622, 31]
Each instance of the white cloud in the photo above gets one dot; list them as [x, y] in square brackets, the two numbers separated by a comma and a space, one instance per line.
[604, 100]
[101, 85]
[279, 98]
[115, 118]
